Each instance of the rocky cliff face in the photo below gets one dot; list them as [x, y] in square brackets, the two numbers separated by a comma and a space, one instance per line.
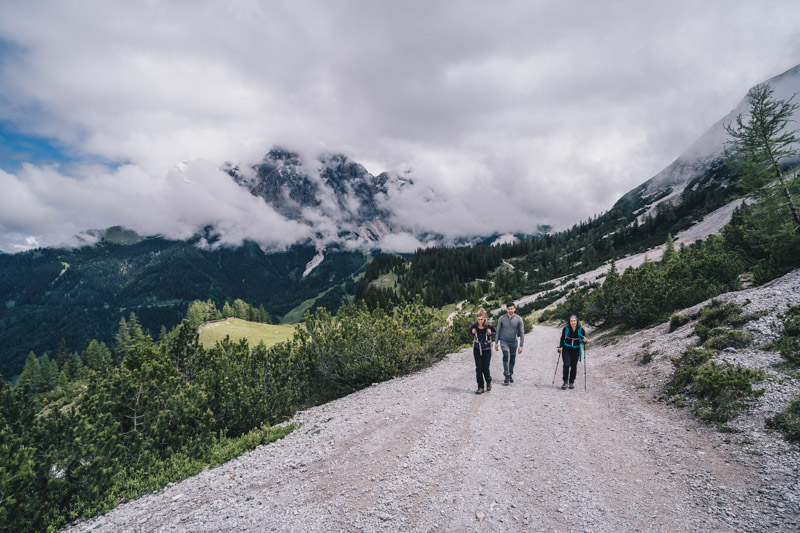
[330, 189]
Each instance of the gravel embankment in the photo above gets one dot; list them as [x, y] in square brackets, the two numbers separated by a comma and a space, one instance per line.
[423, 453]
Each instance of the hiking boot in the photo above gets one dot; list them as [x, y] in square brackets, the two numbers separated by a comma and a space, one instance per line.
[506, 381]
[479, 391]
[488, 386]
[511, 379]
[564, 386]
[571, 385]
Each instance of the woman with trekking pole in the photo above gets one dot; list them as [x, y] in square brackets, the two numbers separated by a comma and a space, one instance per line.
[572, 339]
[482, 331]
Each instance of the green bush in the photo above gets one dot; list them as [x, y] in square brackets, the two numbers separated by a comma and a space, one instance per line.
[574, 305]
[720, 338]
[676, 321]
[459, 331]
[789, 342]
[183, 465]
[691, 358]
[528, 321]
[719, 325]
[112, 429]
[640, 297]
[788, 421]
[717, 314]
[720, 389]
[358, 347]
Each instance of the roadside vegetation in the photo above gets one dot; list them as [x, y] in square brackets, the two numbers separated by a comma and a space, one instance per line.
[719, 389]
[788, 421]
[716, 390]
[789, 343]
[85, 430]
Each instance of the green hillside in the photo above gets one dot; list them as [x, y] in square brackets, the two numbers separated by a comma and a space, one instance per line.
[446, 275]
[238, 329]
[42, 300]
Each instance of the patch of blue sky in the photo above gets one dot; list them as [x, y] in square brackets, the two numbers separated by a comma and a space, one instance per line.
[17, 148]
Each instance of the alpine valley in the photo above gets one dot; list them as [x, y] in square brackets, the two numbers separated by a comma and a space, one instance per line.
[79, 293]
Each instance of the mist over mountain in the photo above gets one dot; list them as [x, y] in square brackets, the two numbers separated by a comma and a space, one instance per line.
[704, 161]
[342, 204]
[338, 197]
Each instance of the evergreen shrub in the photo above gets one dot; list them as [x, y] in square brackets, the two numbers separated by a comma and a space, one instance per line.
[788, 421]
[720, 390]
[789, 342]
[721, 338]
[84, 431]
[677, 320]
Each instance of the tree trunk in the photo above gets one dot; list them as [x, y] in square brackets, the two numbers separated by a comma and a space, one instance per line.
[789, 201]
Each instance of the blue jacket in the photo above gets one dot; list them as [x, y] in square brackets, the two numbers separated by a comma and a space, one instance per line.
[573, 339]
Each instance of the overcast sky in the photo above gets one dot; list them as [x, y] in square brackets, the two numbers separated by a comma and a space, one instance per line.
[514, 113]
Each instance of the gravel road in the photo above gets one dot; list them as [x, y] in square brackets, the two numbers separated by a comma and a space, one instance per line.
[424, 453]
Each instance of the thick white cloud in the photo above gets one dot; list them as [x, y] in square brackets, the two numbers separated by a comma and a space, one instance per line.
[530, 98]
[42, 202]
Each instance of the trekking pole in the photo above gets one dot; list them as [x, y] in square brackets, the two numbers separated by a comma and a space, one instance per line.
[584, 367]
[556, 370]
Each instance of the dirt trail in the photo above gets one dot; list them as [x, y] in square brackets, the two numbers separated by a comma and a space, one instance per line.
[424, 453]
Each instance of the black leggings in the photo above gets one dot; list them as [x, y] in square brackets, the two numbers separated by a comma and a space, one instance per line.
[570, 356]
[482, 360]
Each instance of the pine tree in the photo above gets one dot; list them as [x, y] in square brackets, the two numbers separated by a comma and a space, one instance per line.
[135, 330]
[123, 338]
[32, 374]
[762, 143]
[97, 356]
[669, 250]
[162, 335]
[240, 309]
[17, 475]
[62, 354]
[74, 368]
[49, 374]
[62, 379]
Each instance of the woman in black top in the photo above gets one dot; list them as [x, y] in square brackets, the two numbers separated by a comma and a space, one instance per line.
[570, 348]
[482, 331]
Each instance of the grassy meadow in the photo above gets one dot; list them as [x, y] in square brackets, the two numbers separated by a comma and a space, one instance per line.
[237, 329]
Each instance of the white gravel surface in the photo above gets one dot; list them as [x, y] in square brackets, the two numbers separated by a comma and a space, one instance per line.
[424, 453]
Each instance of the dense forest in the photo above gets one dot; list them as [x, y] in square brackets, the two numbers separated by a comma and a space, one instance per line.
[86, 429]
[51, 294]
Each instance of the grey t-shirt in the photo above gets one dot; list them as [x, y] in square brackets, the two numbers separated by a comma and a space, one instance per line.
[509, 328]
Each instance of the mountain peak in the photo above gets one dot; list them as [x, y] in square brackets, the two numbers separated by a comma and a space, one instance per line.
[703, 163]
[335, 187]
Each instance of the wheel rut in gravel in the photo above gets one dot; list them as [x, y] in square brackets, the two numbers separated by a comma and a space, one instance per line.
[424, 453]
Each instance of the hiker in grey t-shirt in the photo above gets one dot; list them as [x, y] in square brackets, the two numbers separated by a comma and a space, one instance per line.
[508, 328]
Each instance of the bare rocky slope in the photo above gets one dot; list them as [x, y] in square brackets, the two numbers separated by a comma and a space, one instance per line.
[424, 453]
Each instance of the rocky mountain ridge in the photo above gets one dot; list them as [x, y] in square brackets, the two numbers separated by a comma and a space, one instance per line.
[703, 163]
[333, 186]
